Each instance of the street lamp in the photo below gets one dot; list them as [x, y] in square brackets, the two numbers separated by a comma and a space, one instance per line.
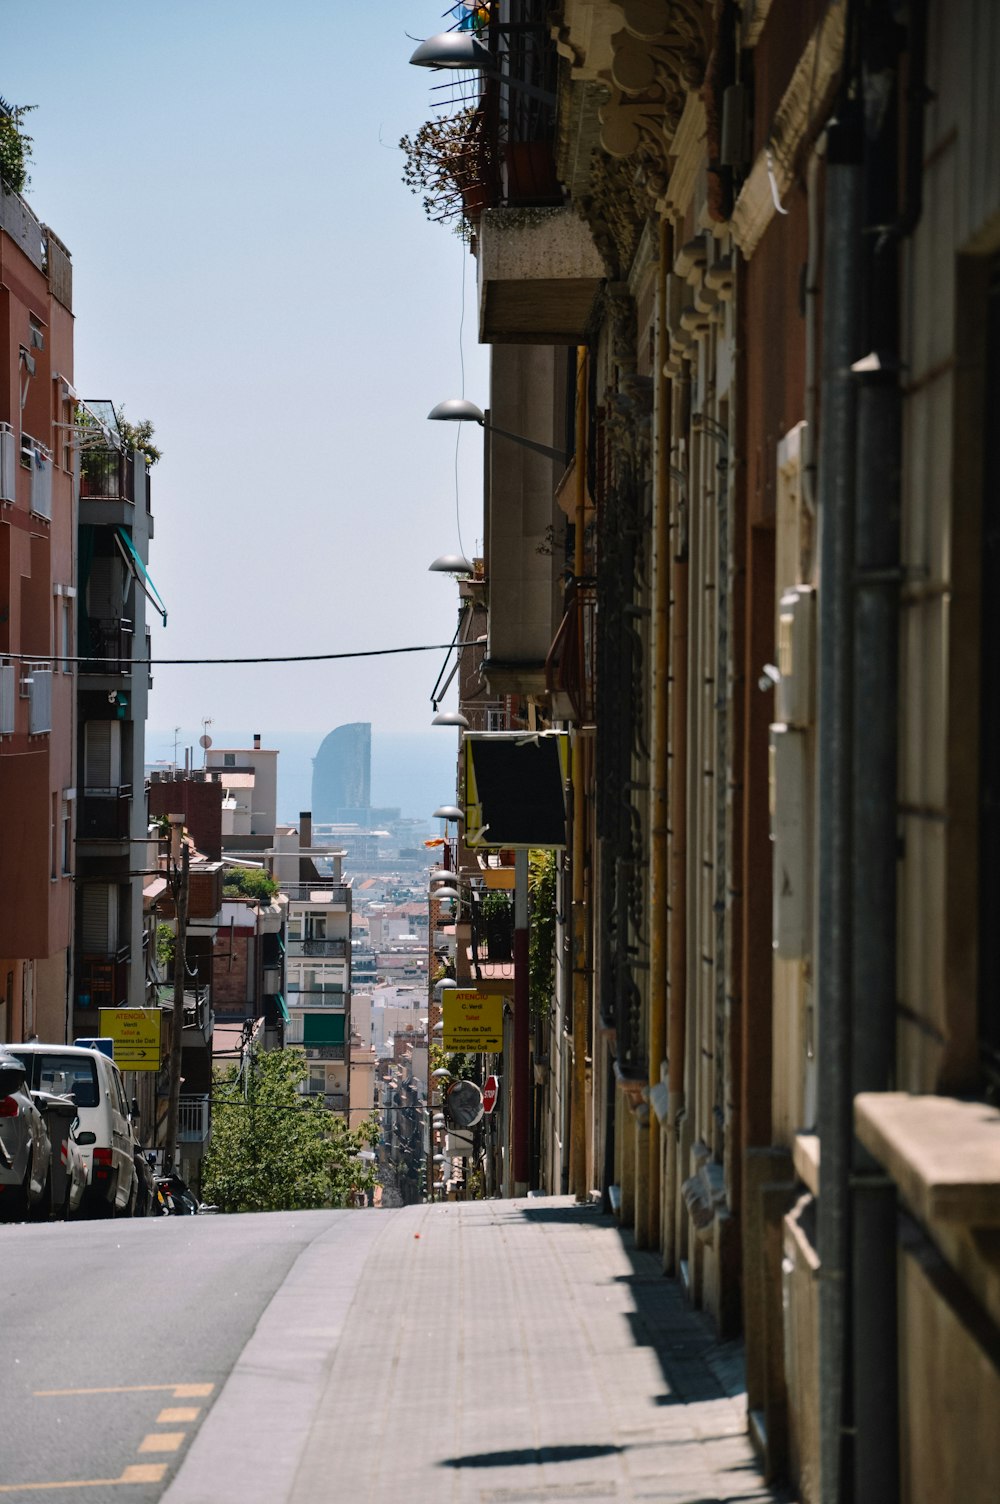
[460, 410]
[456, 564]
[462, 51]
[451, 718]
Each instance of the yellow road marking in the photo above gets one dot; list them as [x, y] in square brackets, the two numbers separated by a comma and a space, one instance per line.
[178, 1414]
[162, 1441]
[179, 1391]
[141, 1472]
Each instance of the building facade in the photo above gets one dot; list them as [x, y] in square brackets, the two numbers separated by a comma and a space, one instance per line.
[37, 626]
[748, 292]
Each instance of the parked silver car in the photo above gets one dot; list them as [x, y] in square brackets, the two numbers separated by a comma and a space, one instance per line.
[25, 1147]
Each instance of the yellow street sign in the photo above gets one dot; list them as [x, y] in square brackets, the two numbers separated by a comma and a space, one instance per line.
[136, 1033]
[472, 1020]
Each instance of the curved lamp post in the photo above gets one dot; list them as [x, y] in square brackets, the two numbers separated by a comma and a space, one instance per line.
[460, 410]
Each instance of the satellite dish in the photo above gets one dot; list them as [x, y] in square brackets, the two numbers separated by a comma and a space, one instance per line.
[205, 741]
[463, 1103]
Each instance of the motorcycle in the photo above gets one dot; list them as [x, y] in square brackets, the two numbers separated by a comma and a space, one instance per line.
[174, 1198]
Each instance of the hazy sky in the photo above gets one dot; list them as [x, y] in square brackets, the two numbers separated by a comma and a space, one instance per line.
[251, 274]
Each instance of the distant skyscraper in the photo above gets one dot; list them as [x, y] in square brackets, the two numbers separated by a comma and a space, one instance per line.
[342, 773]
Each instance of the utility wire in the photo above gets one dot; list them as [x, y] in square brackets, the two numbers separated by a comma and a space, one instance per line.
[59, 658]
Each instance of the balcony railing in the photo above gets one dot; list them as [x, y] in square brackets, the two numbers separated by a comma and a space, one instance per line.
[492, 932]
[334, 948]
[109, 647]
[107, 475]
[571, 667]
[323, 892]
[193, 1119]
[102, 980]
[105, 814]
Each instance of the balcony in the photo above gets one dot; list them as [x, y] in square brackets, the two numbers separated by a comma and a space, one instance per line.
[107, 488]
[107, 651]
[571, 667]
[329, 948]
[194, 1119]
[321, 892]
[105, 814]
[199, 1020]
[102, 979]
[539, 272]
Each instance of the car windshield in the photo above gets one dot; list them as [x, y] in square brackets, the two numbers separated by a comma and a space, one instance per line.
[64, 1074]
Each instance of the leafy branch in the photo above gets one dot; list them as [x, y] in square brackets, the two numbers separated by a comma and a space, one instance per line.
[15, 146]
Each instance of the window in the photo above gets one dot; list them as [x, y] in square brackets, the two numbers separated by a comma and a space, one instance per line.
[67, 837]
[229, 759]
[63, 1074]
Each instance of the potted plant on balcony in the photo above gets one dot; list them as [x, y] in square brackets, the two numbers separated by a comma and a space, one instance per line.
[443, 168]
[497, 924]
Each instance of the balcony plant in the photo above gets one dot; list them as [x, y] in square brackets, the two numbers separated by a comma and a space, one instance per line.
[443, 168]
[15, 147]
[497, 924]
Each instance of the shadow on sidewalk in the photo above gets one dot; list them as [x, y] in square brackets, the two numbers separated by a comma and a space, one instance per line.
[696, 1366]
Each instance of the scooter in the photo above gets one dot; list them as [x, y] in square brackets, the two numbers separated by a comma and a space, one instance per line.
[176, 1199]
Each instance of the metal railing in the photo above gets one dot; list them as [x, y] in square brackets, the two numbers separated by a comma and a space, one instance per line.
[109, 649]
[194, 1117]
[319, 890]
[105, 813]
[334, 948]
[107, 475]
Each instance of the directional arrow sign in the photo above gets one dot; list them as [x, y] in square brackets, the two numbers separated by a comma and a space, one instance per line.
[136, 1035]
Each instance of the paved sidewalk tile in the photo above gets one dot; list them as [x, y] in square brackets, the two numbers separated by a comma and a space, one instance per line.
[523, 1353]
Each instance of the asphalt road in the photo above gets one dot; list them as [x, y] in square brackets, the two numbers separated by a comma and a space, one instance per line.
[456, 1354]
[117, 1337]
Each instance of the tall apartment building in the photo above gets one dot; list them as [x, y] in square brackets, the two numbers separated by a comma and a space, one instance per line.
[317, 1005]
[342, 774]
[116, 596]
[37, 625]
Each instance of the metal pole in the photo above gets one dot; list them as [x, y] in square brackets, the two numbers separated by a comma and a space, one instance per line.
[522, 1061]
[578, 1094]
[658, 818]
[181, 883]
[841, 281]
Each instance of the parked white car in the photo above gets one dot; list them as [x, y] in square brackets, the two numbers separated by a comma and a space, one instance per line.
[25, 1149]
[95, 1084]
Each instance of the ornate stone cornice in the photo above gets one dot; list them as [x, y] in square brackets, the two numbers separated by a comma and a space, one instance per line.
[659, 57]
[804, 107]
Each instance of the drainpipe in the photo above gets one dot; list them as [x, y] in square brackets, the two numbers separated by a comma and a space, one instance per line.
[677, 937]
[578, 1097]
[874, 1348]
[841, 309]
[522, 1031]
[658, 817]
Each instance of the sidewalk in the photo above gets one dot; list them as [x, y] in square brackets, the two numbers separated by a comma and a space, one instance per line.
[484, 1353]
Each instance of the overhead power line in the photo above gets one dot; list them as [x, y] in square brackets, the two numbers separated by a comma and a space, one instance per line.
[112, 663]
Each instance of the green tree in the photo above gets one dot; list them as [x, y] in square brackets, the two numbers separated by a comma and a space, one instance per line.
[15, 146]
[542, 933]
[274, 1149]
[248, 882]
